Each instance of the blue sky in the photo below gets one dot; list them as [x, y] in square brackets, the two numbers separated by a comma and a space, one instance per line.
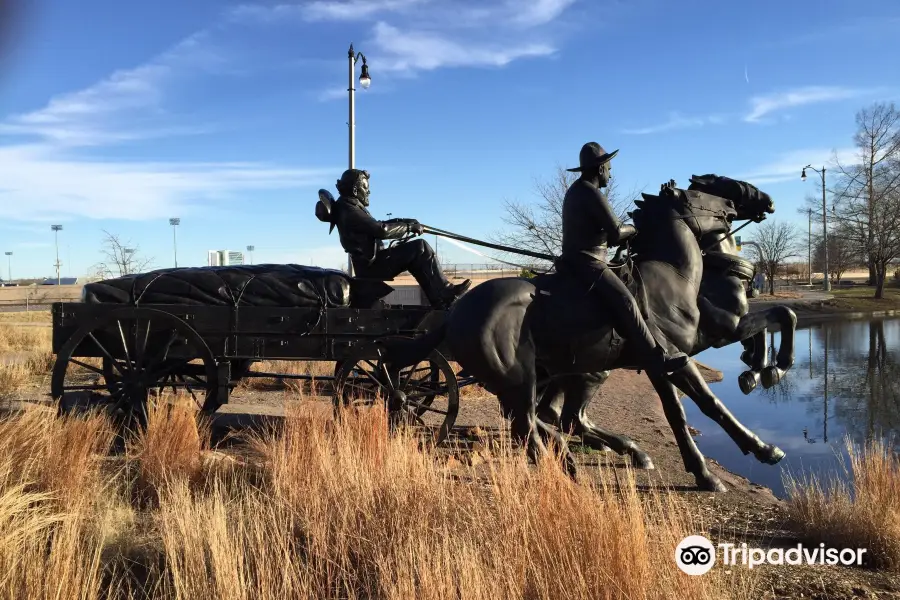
[118, 115]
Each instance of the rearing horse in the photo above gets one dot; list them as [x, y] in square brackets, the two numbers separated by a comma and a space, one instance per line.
[506, 331]
[724, 319]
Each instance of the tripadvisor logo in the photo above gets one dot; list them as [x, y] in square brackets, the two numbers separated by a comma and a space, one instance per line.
[696, 555]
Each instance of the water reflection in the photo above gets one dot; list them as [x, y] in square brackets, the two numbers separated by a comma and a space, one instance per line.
[846, 382]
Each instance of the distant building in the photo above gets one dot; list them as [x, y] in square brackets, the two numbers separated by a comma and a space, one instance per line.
[62, 281]
[224, 258]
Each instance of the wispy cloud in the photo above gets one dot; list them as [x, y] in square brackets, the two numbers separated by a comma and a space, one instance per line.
[787, 166]
[677, 121]
[421, 35]
[762, 106]
[125, 106]
[38, 183]
[422, 51]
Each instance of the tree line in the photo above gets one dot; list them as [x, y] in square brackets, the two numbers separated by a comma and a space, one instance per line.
[863, 214]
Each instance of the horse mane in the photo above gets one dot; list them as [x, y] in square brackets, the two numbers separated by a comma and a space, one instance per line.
[652, 205]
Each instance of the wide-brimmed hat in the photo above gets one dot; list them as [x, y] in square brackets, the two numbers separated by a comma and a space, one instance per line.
[592, 155]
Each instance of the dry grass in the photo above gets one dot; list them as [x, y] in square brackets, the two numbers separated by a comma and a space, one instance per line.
[861, 514]
[24, 338]
[50, 491]
[169, 451]
[319, 510]
[33, 316]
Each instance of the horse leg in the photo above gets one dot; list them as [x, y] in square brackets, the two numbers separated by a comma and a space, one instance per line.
[579, 393]
[691, 382]
[518, 402]
[778, 318]
[550, 435]
[694, 462]
[550, 404]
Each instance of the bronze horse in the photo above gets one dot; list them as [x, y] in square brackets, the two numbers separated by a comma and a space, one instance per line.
[510, 333]
[724, 319]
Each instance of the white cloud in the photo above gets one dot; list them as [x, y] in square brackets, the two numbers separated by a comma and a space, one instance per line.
[787, 166]
[433, 33]
[420, 50]
[125, 106]
[676, 121]
[761, 106]
[38, 183]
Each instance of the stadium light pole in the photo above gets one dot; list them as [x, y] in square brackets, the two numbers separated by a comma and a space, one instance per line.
[56, 229]
[826, 285]
[175, 222]
[9, 265]
[250, 249]
[126, 259]
[365, 81]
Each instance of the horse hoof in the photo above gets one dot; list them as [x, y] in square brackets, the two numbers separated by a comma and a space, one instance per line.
[711, 484]
[770, 455]
[747, 381]
[771, 376]
[747, 357]
[642, 461]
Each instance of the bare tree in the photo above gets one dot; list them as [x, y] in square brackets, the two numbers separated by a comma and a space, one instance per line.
[843, 254]
[121, 257]
[867, 197]
[774, 243]
[537, 226]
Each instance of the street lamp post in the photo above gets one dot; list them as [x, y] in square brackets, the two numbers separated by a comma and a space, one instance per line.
[826, 285]
[250, 249]
[365, 81]
[56, 229]
[9, 265]
[809, 242]
[175, 222]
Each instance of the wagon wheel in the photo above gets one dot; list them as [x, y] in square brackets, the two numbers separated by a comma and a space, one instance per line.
[144, 351]
[424, 395]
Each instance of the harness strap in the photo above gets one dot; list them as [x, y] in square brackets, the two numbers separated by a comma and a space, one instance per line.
[734, 265]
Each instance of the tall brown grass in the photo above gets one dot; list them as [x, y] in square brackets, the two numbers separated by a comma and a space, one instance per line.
[319, 510]
[50, 491]
[169, 450]
[862, 514]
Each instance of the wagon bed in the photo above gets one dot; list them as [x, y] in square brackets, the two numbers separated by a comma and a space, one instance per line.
[123, 356]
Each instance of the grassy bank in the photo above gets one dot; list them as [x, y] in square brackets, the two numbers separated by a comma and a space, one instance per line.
[864, 513]
[318, 511]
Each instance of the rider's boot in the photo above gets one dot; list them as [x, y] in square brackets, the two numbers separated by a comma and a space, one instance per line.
[452, 292]
[438, 290]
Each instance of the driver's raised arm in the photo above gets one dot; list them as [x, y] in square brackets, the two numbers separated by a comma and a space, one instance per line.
[359, 220]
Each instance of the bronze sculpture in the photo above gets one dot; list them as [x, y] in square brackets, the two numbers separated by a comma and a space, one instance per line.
[518, 336]
[588, 222]
[362, 237]
[724, 319]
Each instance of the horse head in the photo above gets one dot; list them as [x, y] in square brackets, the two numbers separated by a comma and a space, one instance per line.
[702, 212]
[751, 203]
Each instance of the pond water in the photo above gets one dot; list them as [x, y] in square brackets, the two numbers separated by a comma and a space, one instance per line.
[845, 384]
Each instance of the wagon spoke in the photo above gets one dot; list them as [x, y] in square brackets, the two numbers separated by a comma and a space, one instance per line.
[106, 353]
[427, 407]
[124, 342]
[84, 387]
[86, 366]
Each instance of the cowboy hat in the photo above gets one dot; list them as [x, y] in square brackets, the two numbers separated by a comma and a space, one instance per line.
[592, 155]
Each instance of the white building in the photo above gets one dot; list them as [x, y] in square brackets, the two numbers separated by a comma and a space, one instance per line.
[224, 258]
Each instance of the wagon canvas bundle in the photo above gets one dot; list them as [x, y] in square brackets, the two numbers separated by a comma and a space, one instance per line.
[249, 285]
